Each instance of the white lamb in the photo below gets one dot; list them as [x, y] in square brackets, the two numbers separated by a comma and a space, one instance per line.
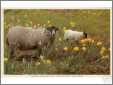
[74, 35]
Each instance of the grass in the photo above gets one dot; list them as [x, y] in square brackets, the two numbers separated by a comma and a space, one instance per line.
[58, 60]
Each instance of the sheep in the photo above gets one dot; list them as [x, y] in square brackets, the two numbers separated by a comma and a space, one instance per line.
[74, 35]
[25, 38]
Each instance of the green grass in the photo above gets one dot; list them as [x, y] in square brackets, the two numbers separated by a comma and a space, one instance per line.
[95, 22]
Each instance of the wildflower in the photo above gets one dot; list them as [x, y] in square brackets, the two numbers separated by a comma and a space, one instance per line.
[37, 63]
[89, 39]
[56, 49]
[72, 24]
[102, 51]
[50, 25]
[84, 48]
[41, 57]
[105, 56]
[60, 39]
[48, 61]
[38, 25]
[92, 41]
[103, 48]
[18, 20]
[48, 21]
[31, 22]
[82, 41]
[43, 60]
[99, 43]
[76, 49]
[34, 26]
[5, 59]
[65, 49]
[26, 24]
[64, 29]
[83, 44]
[44, 25]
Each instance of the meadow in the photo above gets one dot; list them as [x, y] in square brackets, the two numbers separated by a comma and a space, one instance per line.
[90, 56]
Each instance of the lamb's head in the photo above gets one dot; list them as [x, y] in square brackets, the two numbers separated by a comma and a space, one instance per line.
[52, 30]
[84, 35]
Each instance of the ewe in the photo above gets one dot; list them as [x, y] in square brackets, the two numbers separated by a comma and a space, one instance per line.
[26, 38]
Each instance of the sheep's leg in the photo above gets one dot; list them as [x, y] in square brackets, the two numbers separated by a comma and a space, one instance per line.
[40, 52]
[11, 53]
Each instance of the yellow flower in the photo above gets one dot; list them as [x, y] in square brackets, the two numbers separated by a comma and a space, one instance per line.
[60, 39]
[83, 44]
[99, 43]
[72, 24]
[34, 26]
[105, 56]
[41, 57]
[44, 25]
[103, 48]
[64, 29]
[102, 51]
[18, 20]
[26, 24]
[38, 25]
[56, 49]
[76, 49]
[50, 25]
[37, 63]
[82, 41]
[48, 21]
[5, 59]
[43, 60]
[84, 48]
[92, 41]
[65, 49]
[31, 22]
[48, 61]
[89, 39]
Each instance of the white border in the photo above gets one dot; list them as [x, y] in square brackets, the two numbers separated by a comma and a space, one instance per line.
[54, 79]
[55, 4]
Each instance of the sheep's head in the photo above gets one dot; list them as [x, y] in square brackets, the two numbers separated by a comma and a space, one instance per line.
[52, 30]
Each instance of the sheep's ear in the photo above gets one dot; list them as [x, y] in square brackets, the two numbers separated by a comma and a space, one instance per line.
[49, 29]
[52, 28]
[57, 29]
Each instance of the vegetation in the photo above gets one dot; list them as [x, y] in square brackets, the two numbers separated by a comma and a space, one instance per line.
[88, 56]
